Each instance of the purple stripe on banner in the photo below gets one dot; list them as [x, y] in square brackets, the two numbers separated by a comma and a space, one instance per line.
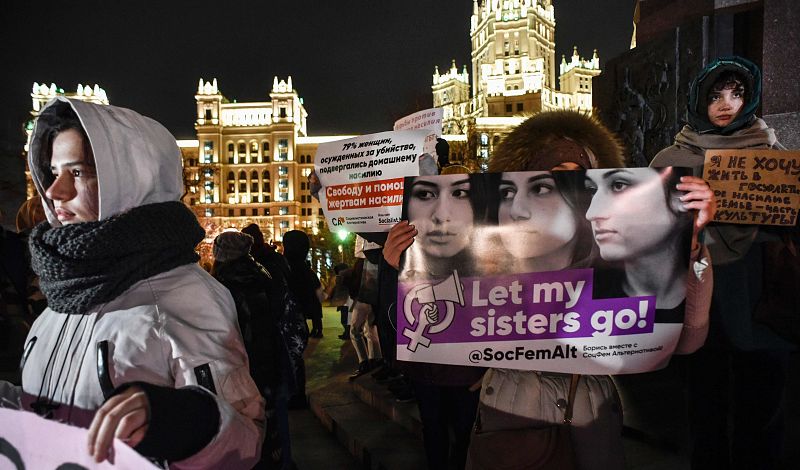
[543, 305]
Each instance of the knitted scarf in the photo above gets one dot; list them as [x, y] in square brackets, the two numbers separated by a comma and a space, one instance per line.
[86, 264]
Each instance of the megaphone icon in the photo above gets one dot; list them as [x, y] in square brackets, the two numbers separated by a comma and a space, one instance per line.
[428, 320]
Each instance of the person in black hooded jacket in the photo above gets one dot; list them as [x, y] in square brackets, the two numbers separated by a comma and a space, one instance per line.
[260, 304]
[303, 282]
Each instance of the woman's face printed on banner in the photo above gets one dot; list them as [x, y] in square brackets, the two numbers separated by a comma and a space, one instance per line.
[441, 211]
[542, 221]
[629, 212]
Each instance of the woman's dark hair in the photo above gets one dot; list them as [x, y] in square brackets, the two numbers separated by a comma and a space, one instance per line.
[731, 80]
[215, 268]
[572, 188]
[671, 176]
[571, 185]
[478, 192]
[479, 198]
[54, 120]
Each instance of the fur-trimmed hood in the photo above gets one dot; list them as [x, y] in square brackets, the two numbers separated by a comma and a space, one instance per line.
[518, 150]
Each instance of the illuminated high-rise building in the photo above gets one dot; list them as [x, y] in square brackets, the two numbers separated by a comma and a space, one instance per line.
[514, 73]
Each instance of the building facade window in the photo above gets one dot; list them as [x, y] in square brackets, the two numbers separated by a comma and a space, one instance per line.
[283, 150]
[208, 151]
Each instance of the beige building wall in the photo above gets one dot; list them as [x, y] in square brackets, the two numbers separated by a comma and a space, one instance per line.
[251, 161]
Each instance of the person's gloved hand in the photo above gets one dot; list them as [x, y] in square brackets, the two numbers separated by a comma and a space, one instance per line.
[159, 422]
[125, 416]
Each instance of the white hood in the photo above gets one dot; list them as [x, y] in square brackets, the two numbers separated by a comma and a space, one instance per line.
[137, 159]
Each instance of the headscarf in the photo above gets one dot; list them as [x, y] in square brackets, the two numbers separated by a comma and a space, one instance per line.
[700, 88]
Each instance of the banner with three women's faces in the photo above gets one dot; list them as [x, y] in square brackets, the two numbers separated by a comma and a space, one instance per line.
[570, 271]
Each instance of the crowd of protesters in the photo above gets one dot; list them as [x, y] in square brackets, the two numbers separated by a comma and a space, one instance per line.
[737, 366]
[199, 370]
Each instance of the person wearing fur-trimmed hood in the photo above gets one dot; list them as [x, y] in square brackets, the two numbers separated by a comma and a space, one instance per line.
[138, 342]
[512, 401]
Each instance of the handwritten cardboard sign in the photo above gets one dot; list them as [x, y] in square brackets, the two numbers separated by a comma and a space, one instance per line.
[754, 186]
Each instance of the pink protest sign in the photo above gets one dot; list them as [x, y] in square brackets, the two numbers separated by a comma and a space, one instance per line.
[29, 441]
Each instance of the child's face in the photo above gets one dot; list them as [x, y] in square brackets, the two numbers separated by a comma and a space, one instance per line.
[724, 105]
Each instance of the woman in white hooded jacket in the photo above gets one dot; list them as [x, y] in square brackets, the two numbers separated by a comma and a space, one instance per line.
[138, 342]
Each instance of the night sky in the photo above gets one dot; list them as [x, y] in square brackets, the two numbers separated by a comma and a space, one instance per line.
[358, 65]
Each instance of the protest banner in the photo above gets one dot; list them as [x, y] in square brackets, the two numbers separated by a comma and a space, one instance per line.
[545, 271]
[429, 120]
[754, 186]
[29, 441]
[362, 178]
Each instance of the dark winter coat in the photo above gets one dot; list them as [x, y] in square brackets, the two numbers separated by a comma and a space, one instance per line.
[258, 306]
